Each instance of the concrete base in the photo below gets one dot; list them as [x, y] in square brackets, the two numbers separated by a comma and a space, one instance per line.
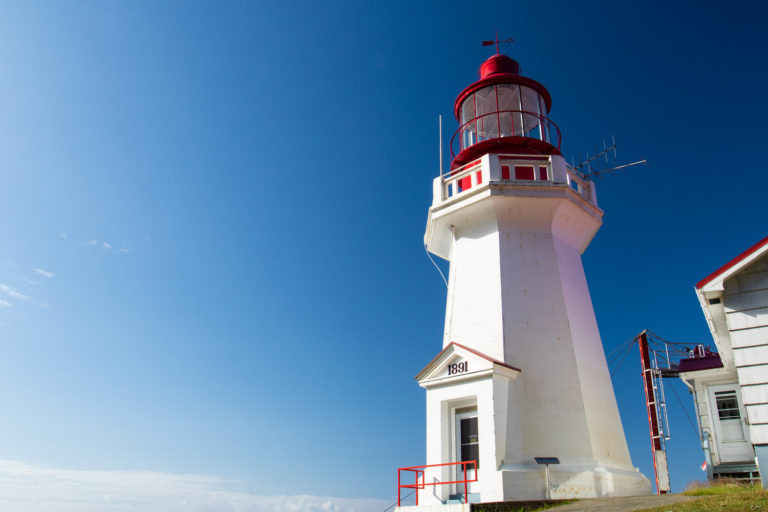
[568, 481]
[457, 507]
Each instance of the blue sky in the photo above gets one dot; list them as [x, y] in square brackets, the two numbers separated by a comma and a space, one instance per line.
[212, 218]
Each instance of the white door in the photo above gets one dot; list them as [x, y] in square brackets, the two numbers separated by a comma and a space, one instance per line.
[730, 427]
[467, 448]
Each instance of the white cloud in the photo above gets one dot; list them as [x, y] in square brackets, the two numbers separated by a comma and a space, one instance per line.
[63, 235]
[105, 244]
[4, 288]
[30, 488]
[44, 273]
[124, 251]
[91, 242]
[5, 304]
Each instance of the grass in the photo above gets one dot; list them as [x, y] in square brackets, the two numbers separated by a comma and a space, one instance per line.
[722, 497]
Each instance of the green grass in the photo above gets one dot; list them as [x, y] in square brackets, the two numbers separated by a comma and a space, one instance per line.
[721, 498]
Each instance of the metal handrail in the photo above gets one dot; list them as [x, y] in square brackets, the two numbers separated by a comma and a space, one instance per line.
[542, 119]
[419, 474]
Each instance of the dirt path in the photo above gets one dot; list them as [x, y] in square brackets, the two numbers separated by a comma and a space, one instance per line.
[627, 504]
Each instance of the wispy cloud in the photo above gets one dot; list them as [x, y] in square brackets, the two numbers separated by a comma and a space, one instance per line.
[5, 304]
[31, 488]
[44, 273]
[10, 292]
[106, 246]
[63, 236]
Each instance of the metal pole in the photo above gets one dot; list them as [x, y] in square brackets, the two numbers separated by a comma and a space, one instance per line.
[546, 468]
[440, 118]
[466, 497]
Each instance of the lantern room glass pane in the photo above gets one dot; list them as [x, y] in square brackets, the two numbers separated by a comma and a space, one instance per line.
[510, 120]
[531, 121]
[468, 109]
[486, 111]
[544, 122]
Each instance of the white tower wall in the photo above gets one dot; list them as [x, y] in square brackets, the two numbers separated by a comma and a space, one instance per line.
[518, 293]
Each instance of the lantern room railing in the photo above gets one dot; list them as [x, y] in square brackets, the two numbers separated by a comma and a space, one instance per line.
[505, 123]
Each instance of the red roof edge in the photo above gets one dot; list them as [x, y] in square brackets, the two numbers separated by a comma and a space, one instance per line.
[735, 261]
[494, 361]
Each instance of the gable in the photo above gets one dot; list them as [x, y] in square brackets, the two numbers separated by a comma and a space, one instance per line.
[458, 363]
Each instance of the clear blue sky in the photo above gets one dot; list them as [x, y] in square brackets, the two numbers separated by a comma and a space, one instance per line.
[212, 217]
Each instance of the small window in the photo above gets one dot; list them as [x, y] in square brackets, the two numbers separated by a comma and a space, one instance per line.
[469, 441]
[714, 301]
[727, 405]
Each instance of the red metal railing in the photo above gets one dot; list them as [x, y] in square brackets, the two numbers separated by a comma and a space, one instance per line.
[420, 483]
[505, 123]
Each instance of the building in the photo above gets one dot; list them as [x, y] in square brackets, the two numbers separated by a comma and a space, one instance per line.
[731, 389]
[522, 373]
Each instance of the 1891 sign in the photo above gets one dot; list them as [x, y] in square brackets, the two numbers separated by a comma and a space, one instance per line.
[456, 368]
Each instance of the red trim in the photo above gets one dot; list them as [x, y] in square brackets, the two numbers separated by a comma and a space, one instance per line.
[501, 79]
[735, 261]
[488, 358]
[517, 157]
[520, 145]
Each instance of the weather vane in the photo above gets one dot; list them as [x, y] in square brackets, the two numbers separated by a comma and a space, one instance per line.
[497, 42]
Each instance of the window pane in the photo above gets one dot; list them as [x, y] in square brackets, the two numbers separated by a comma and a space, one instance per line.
[509, 100]
[530, 117]
[470, 452]
[485, 100]
[727, 405]
[468, 109]
[469, 430]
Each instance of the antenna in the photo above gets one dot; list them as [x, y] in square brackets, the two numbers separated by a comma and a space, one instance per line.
[589, 173]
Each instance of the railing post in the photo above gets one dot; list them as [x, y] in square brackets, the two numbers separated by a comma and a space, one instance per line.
[491, 163]
[466, 495]
[417, 487]
[438, 191]
[398, 487]
[559, 170]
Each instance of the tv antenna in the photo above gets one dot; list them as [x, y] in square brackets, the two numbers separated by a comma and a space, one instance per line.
[586, 170]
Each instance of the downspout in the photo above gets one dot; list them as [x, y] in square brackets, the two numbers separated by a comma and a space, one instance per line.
[703, 435]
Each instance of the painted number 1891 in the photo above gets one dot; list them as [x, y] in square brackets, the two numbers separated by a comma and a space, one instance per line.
[456, 368]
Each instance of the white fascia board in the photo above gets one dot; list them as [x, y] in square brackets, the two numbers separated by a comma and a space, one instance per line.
[438, 372]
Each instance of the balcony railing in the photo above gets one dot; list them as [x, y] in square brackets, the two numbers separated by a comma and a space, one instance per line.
[505, 123]
[511, 169]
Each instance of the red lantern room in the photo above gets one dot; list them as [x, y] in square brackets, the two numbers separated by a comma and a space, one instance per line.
[503, 111]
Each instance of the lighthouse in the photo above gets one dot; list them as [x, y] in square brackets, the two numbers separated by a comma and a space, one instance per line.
[521, 379]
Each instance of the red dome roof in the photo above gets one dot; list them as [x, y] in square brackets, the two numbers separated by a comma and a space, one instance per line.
[499, 64]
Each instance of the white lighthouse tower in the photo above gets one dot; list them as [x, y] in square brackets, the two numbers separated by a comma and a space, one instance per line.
[522, 373]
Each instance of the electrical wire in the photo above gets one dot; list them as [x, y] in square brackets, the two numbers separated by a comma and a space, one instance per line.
[435, 264]
[626, 353]
[695, 430]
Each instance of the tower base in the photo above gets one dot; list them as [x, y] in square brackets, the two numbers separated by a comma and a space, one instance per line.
[525, 482]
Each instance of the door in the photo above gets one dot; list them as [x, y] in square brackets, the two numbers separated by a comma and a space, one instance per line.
[730, 426]
[467, 448]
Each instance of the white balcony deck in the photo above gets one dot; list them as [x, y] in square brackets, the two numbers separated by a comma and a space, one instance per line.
[520, 170]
